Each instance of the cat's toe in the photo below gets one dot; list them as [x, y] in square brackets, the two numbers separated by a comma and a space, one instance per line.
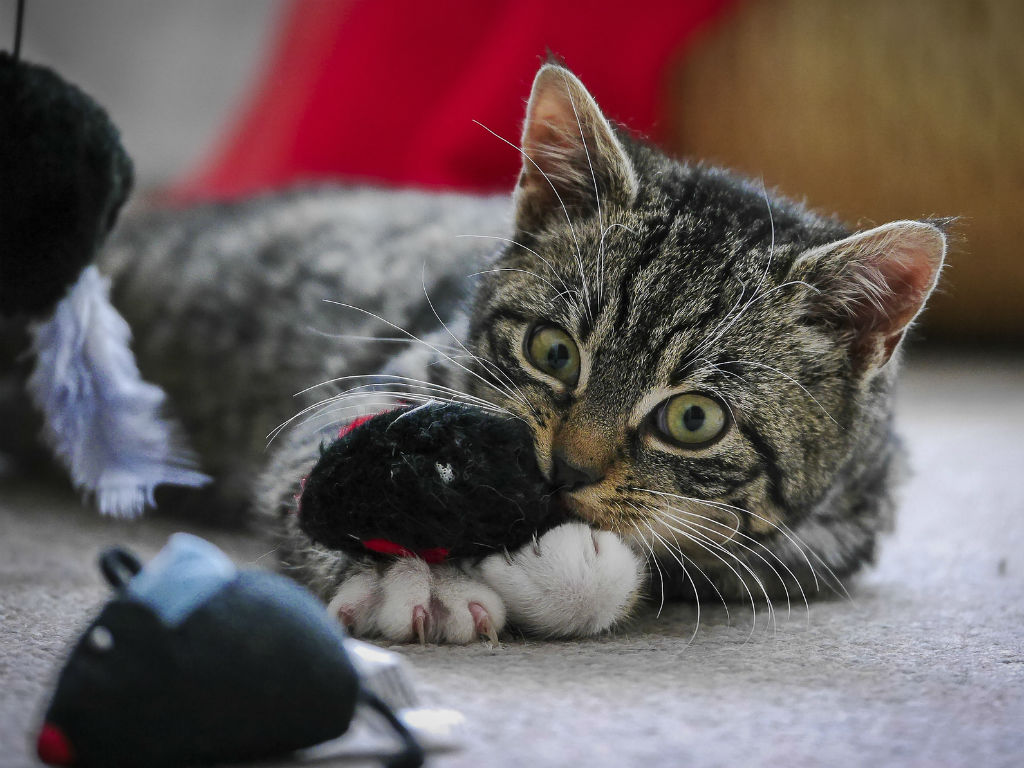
[466, 608]
[404, 613]
[354, 602]
[412, 601]
[573, 581]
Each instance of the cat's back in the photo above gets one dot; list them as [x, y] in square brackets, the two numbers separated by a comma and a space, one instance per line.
[235, 307]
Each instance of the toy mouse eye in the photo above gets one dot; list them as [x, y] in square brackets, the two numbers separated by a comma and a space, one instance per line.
[100, 639]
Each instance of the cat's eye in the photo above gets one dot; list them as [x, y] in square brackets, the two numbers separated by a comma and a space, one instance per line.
[691, 420]
[552, 351]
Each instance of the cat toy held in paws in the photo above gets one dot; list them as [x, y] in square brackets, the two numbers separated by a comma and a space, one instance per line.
[196, 663]
[65, 177]
[436, 481]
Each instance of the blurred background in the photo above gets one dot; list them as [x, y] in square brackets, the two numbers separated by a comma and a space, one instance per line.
[876, 110]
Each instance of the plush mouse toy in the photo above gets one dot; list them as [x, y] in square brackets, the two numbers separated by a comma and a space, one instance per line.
[194, 662]
[436, 481]
[65, 177]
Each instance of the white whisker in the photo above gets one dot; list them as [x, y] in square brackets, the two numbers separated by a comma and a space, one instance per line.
[374, 339]
[801, 546]
[593, 176]
[740, 544]
[789, 378]
[514, 269]
[375, 388]
[689, 578]
[568, 219]
[717, 550]
[696, 539]
[565, 288]
[657, 567]
[679, 551]
[434, 348]
[430, 303]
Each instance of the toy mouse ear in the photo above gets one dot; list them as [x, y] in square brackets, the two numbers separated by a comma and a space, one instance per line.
[119, 566]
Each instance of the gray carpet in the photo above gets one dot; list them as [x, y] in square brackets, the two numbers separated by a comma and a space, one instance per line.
[924, 667]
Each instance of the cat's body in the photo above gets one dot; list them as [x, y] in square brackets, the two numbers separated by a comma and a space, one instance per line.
[229, 303]
[705, 367]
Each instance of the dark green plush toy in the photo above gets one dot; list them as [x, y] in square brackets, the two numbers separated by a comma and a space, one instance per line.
[194, 662]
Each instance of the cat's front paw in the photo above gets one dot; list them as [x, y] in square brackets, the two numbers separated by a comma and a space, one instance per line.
[410, 600]
[572, 582]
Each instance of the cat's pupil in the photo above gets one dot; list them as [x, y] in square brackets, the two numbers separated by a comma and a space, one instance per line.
[693, 418]
[558, 356]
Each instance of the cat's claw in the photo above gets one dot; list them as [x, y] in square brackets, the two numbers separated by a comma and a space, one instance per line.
[482, 623]
[420, 618]
[411, 601]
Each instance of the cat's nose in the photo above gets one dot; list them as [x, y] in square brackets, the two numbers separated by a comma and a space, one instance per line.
[570, 476]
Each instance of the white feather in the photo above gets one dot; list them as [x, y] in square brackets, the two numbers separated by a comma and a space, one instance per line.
[101, 419]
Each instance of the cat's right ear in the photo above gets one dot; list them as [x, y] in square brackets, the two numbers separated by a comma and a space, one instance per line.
[572, 160]
[871, 285]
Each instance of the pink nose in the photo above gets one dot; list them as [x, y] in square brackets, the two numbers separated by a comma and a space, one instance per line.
[53, 747]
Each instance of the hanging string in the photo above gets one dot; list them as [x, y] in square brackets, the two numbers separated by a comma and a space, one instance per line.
[18, 23]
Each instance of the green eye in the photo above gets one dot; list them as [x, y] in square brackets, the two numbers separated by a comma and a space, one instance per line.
[692, 420]
[553, 351]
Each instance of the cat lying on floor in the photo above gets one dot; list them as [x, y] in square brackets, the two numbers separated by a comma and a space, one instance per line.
[706, 368]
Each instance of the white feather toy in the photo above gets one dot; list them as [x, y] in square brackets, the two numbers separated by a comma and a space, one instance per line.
[101, 419]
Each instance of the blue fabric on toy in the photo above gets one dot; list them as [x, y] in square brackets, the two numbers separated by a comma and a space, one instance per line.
[183, 575]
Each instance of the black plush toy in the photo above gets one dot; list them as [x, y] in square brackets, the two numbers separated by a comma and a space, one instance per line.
[435, 481]
[65, 177]
[195, 663]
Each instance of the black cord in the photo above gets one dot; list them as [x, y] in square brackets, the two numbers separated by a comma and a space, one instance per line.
[19, 23]
[411, 755]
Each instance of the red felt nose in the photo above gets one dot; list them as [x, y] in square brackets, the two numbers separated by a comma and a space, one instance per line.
[53, 747]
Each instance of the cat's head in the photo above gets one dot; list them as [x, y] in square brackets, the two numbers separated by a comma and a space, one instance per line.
[694, 355]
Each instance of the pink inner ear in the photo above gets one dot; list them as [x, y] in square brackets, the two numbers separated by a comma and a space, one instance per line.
[896, 267]
[552, 135]
[908, 262]
[907, 283]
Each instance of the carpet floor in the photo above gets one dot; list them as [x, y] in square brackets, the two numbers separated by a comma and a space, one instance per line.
[924, 666]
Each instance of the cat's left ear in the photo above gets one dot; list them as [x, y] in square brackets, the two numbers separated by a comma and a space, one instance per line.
[572, 159]
[873, 284]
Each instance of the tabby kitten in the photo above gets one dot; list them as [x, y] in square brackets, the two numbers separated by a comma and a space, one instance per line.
[707, 369]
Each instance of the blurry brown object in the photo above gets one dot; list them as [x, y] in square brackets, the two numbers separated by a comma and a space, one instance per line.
[879, 110]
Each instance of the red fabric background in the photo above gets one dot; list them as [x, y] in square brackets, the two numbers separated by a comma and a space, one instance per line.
[387, 90]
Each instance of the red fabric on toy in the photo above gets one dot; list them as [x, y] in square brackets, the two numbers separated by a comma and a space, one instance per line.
[356, 422]
[433, 555]
[53, 747]
[388, 91]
